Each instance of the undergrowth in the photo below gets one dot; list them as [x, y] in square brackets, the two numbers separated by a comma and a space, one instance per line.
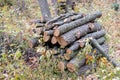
[15, 30]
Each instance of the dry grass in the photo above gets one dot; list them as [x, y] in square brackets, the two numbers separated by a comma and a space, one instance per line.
[15, 22]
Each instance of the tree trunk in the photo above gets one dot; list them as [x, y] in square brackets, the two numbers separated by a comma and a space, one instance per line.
[78, 32]
[67, 27]
[46, 15]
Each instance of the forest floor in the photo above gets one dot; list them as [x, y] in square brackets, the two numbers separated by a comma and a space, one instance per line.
[16, 30]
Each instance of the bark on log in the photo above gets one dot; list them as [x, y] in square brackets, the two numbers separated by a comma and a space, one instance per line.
[78, 62]
[70, 56]
[69, 19]
[46, 15]
[84, 69]
[101, 50]
[47, 35]
[78, 32]
[75, 64]
[80, 43]
[59, 18]
[39, 25]
[54, 7]
[33, 43]
[67, 27]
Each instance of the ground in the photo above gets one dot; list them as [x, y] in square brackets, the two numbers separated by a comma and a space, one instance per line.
[16, 29]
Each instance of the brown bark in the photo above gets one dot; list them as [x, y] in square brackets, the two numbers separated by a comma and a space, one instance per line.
[78, 32]
[67, 27]
[47, 35]
[46, 15]
[80, 43]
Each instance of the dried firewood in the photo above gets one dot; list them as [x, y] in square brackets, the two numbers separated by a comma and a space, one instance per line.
[62, 65]
[47, 35]
[79, 60]
[54, 40]
[58, 18]
[80, 43]
[33, 43]
[101, 50]
[67, 27]
[39, 25]
[78, 32]
[67, 20]
[39, 30]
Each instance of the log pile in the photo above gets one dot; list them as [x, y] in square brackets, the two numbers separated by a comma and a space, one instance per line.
[68, 34]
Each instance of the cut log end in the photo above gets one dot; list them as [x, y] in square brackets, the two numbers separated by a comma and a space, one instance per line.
[62, 42]
[46, 38]
[68, 51]
[71, 67]
[56, 33]
[66, 56]
[61, 66]
[82, 44]
[33, 43]
[53, 40]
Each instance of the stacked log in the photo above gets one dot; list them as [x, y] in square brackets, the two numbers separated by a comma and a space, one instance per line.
[69, 33]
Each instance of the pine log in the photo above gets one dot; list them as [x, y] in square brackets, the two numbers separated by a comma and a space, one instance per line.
[101, 50]
[67, 20]
[78, 32]
[54, 40]
[80, 43]
[33, 43]
[47, 35]
[67, 27]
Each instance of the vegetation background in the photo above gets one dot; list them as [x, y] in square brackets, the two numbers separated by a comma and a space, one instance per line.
[16, 29]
